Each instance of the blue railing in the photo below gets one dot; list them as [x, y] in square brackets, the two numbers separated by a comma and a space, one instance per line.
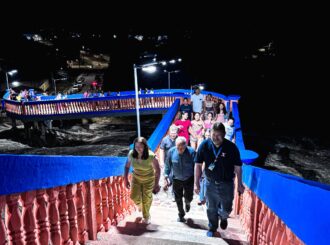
[21, 173]
[247, 156]
[92, 99]
[82, 107]
[123, 95]
[302, 205]
[162, 127]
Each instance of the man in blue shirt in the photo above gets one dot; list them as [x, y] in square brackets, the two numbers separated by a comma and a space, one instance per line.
[222, 162]
[167, 143]
[185, 107]
[180, 160]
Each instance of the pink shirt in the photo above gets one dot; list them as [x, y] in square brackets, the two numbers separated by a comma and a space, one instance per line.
[184, 130]
[208, 125]
[221, 118]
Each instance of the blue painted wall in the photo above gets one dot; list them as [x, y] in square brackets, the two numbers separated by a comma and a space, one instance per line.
[303, 205]
[21, 173]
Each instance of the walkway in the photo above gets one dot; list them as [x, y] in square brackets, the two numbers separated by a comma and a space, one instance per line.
[164, 229]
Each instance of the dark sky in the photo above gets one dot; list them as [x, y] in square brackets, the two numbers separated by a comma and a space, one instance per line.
[285, 90]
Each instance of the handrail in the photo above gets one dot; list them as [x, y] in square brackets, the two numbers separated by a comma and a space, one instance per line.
[37, 110]
[104, 106]
[121, 97]
[44, 171]
[162, 127]
[247, 156]
[301, 205]
[124, 95]
[21, 173]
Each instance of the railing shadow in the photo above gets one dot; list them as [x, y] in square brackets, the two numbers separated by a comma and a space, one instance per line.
[136, 228]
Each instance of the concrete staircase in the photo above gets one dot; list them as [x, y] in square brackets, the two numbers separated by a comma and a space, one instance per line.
[164, 228]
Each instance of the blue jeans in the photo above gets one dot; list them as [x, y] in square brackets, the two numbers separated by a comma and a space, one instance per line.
[219, 201]
[202, 189]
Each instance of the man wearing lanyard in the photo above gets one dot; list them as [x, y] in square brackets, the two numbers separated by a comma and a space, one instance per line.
[222, 162]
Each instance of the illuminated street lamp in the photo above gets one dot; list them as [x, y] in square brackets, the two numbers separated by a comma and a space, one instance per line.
[150, 68]
[10, 73]
[15, 83]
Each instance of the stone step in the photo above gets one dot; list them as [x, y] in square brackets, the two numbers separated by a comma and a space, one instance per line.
[164, 228]
[144, 235]
[128, 240]
[197, 227]
[163, 215]
[194, 226]
[164, 219]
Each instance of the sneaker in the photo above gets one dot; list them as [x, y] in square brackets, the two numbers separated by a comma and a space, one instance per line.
[209, 233]
[146, 221]
[181, 219]
[187, 207]
[224, 224]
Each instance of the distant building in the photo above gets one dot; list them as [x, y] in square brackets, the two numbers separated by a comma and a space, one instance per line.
[89, 60]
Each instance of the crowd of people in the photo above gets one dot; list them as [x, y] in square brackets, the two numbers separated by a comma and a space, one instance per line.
[29, 95]
[198, 117]
[23, 95]
[146, 91]
[199, 154]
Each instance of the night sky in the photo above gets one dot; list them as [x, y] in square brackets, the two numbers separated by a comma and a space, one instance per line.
[281, 91]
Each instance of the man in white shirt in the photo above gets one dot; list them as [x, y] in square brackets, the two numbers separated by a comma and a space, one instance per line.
[197, 101]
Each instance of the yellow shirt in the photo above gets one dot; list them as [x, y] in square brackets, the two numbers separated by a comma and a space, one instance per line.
[143, 170]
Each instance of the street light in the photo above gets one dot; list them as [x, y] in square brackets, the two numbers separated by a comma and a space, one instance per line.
[10, 73]
[15, 83]
[150, 68]
[169, 77]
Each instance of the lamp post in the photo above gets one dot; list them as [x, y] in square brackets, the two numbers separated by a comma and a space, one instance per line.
[10, 73]
[137, 104]
[7, 81]
[150, 68]
[169, 77]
